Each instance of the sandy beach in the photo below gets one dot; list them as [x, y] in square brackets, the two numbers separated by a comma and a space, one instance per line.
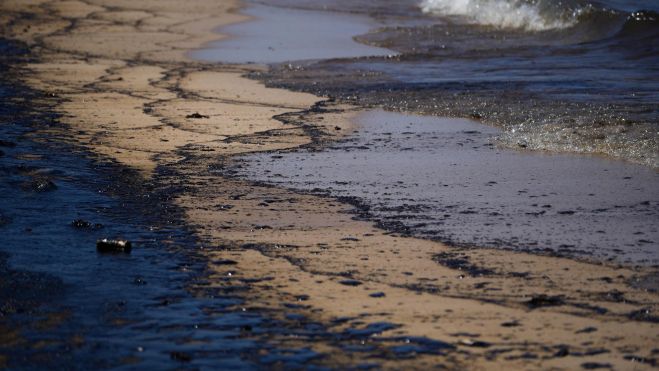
[127, 91]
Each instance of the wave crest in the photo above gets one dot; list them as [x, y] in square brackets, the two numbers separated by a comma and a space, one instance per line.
[528, 15]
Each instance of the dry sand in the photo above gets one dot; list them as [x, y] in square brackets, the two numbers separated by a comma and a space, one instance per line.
[128, 93]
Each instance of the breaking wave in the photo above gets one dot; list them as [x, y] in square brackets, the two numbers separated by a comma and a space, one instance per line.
[522, 14]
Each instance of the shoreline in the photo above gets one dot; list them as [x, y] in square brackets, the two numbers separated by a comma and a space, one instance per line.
[442, 179]
[275, 235]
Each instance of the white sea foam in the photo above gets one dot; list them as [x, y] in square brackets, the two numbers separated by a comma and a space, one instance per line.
[499, 13]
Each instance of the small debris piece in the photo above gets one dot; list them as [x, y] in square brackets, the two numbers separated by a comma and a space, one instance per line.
[196, 115]
[106, 245]
[40, 185]
[83, 224]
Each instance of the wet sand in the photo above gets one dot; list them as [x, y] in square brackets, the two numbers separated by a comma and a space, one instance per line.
[128, 92]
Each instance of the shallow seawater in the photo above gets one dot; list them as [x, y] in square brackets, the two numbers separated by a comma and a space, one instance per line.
[64, 305]
[276, 35]
[444, 179]
[75, 308]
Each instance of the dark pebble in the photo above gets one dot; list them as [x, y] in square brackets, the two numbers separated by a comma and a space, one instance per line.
[378, 294]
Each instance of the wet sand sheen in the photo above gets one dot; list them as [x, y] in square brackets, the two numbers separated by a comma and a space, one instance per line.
[398, 302]
[444, 179]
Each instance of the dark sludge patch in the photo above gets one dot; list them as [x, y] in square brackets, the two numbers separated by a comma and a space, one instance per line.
[180, 356]
[26, 304]
[542, 300]
[39, 184]
[649, 282]
[519, 274]
[4, 220]
[643, 314]
[350, 282]
[525, 355]
[289, 358]
[476, 343]
[266, 248]
[586, 330]
[561, 351]
[458, 261]
[369, 330]
[613, 296]
[412, 346]
[110, 246]
[423, 287]
[642, 360]
[7, 144]
[224, 262]
[85, 225]
[590, 352]
[22, 292]
[196, 115]
[590, 307]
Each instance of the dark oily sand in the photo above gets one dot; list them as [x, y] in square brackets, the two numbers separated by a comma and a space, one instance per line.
[65, 306]
[443, 179]
[279, 34]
